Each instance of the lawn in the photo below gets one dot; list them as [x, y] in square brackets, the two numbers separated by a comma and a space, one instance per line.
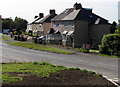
[113, 56]
[4, 37]
[42, 69]
[39, 47]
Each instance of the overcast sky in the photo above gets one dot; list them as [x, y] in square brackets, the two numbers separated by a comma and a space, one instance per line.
[27, 9]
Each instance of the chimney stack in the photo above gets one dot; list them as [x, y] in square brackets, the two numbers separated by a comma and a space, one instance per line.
[77, 6]
[52, 11]
[35, 17]
[41, 15]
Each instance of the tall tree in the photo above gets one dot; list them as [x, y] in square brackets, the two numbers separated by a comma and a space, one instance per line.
[21, 24]
[8, 23]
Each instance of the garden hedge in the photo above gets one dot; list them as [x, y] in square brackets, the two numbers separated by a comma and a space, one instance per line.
[110, 44]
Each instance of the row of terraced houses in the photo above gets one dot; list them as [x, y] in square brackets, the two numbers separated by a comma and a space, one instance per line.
[73, 27]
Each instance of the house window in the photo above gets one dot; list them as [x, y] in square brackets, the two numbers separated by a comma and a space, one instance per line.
[57, 25]
[64, 36]
[66, 24]
[53, 25]
[40, 25]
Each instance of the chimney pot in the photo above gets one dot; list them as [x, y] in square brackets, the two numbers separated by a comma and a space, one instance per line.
[41, 15]
[52, 11]
[77, 6]
[35, 17]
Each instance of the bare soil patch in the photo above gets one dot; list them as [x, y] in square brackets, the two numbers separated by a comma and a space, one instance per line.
[62, 78]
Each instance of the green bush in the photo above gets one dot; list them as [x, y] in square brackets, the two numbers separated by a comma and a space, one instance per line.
[84, 50]
[110, 44]
[118, 29]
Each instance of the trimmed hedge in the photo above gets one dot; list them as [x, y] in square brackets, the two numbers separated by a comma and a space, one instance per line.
[110, 44]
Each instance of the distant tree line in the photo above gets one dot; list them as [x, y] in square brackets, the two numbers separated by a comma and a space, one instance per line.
[19, 24]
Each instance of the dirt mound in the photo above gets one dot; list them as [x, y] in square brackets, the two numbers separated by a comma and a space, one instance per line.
[63, 78]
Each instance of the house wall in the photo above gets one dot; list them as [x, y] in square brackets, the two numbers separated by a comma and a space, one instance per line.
[97, 32]
[39, 29]
[46, 27]
[34, 26]
[63, 26]
[81, 33]
[31, 27]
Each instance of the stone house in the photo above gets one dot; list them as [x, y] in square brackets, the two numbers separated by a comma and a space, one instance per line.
[80, 26]
[44, 24]
[33, 25]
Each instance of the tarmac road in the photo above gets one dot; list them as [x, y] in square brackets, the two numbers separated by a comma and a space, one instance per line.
[104, 65]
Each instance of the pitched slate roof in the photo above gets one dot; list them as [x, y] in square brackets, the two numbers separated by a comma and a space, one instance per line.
[63, 14]
[46, 18]
[80, 14]
[34, 21]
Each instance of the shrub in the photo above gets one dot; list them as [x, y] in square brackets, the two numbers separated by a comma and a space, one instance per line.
[45, 63]
[110, 44]
[74, 68]
[118, 29]
[84, 50]
[35, 63]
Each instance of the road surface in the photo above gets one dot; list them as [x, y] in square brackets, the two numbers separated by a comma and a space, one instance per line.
[104, 65]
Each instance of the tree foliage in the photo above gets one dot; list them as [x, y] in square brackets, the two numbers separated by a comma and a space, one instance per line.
[118, 29]
[8, 24]
[19, 24]
[110, 44]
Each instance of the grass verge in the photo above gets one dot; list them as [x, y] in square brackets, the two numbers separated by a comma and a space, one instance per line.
[39, 47]
[4, 37]
[109, 55]
[42, 69]
[94, 51]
